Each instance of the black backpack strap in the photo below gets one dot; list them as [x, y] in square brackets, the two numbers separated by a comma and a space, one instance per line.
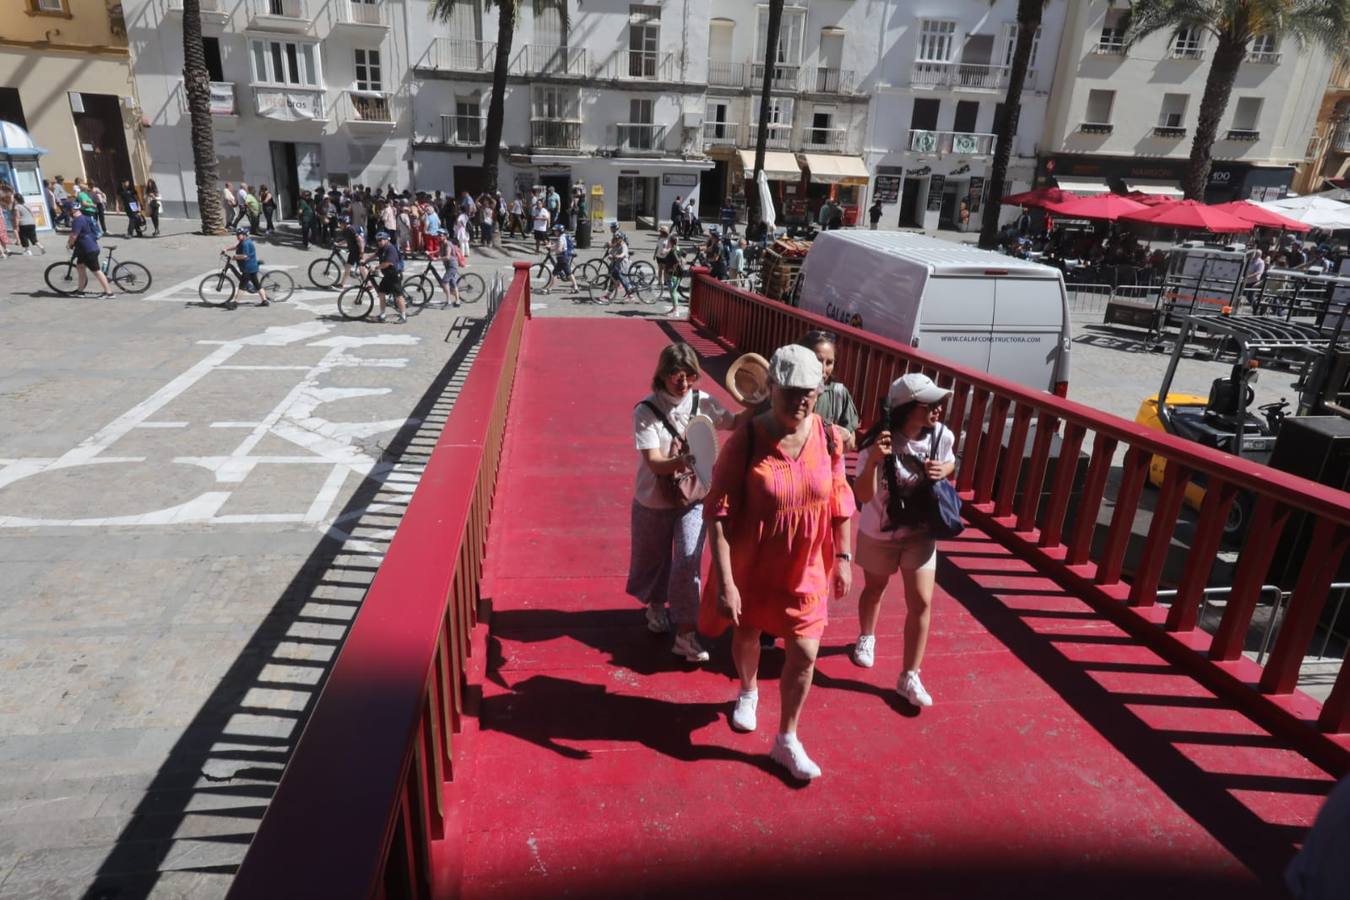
[695, 411]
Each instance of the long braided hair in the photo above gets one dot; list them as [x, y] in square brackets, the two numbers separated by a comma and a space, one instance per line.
[892, 420]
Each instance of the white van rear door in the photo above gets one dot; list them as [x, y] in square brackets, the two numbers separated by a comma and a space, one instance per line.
[956, 318]
[1028, 326]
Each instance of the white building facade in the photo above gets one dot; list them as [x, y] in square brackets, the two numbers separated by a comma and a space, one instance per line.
[1124, 120]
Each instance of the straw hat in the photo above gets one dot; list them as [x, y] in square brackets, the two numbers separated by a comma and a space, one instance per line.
[748, 379]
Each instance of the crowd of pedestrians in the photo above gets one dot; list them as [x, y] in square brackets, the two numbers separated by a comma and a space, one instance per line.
[778, 513]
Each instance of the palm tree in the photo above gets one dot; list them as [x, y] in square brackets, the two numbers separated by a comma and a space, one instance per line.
[755, 214]
[1234, 23]
[1028, 22]
[197, 84]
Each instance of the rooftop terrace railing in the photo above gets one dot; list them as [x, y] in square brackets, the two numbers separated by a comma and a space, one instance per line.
[1047, 513]
[360, 810]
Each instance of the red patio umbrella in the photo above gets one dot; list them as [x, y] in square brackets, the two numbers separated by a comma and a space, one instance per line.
[1101, 206]
[1150, 199]
[1039, 198]
[1189, 214]
[1259, 215]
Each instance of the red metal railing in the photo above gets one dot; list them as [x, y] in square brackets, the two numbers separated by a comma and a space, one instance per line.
[1007, 495]
[360, 810]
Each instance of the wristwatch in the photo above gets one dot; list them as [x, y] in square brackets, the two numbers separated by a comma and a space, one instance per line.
[846, 557]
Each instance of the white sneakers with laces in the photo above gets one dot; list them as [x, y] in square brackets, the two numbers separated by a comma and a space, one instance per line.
[687, 646]
[789, 753]
[911, 688]
[864, 651]
[658, 620]
[743, 713]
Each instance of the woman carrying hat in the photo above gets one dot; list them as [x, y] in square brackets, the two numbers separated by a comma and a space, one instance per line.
[779, 511]
[667, 540]
[904, 453]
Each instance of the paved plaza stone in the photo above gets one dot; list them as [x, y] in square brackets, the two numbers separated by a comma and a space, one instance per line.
[192, 503]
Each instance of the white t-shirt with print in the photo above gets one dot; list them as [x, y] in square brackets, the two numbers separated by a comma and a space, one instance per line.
[651, 434]
[873, 520]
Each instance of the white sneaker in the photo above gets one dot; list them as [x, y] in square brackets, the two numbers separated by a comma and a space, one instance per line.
[658, 620]
[789, 753]
[911, 688]
[743, 713]
[686, 645]
[864, 651]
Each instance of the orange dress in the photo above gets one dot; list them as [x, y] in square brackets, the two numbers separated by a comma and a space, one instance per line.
[779, 515]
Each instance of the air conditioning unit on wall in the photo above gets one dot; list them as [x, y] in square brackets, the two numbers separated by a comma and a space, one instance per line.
[693, 119]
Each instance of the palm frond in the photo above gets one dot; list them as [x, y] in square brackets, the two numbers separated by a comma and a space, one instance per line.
[1325, 23]
[1151, 16]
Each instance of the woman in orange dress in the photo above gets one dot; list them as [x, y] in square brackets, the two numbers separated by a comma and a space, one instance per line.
[778, 513]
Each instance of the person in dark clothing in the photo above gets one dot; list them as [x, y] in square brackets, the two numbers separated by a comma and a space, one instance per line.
[874, 214]
[131, 203]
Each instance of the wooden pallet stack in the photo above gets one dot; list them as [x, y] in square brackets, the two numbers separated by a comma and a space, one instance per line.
[782, 263]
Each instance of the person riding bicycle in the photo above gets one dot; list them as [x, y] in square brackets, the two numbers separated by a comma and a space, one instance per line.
[454, 260]
[245, 255]
[617, 256]
[83, 241]
[563, 248]
[354, 241]
[390, 262]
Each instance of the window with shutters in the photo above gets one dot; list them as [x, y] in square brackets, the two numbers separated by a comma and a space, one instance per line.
[368, 71]
[937, 40]
[554, 102]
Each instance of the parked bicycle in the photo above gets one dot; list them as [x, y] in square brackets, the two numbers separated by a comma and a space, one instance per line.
[130, 277]
[220, 288]
[360, 301]
[423, 287]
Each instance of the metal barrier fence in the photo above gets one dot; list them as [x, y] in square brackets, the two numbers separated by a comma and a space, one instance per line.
[361, 808]
[1024, 500]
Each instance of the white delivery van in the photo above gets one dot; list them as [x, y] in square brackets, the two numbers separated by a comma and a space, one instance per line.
[991, 312]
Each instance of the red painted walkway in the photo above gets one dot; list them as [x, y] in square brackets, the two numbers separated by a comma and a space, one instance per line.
[1061, 759]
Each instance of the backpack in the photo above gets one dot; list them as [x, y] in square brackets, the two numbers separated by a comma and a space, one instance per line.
[570, 247]
[683, 489]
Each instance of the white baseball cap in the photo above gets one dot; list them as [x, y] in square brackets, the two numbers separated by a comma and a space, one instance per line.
[796, 367]
[915, 387]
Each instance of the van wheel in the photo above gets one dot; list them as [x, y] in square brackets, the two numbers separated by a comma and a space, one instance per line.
[1239, 517]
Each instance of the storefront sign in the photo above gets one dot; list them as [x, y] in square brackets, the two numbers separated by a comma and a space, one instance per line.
[976, 192]
[887, 189]
[39, 210]
[935, 187]
[679, 179]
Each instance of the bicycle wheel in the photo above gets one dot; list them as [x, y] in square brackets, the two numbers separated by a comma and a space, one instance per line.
[131, 277]
[642, 272]
[539, 273]
[590, 271]
[644, 293]
[62, 277]
[471, 287]
[357, 302]
[325, 273]
[217, 289]
[419, 290]
[278, 285]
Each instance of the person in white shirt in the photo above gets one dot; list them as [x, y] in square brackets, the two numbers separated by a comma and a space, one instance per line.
[541, 220]
[667, 540]
[900, 455]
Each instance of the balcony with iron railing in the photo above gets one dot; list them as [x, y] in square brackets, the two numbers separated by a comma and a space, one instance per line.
[1264, 58]
[721, 134]
[546, 59]
[779, 136]
[555, 134]
[1110, 43]
[213, 11]
[825, 140]
[1340, 75]
[1187, 52]
[726, 74]
[951, 143]
[457, 55]
[640, 137]
[965, 76]
[785, 77]
[369, 108]
[279, 15]
[361, 17]
[1242, 135]
[641, 65]
[1340, 138]
[462, 131]
[829, 80]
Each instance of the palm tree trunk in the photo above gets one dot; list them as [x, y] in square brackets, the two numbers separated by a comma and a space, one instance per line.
[492, 139]
[197, 85]
[1028, 20]
[761, 139]
[1228, 56]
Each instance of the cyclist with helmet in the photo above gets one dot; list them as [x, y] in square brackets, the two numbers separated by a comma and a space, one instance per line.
[83, 241]
[390, 263]
[245, 256]
[354, 240]
[563, 249]
[617, 255]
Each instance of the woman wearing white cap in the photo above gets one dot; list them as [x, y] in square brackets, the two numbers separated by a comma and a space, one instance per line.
[779, 511]
[908, 450]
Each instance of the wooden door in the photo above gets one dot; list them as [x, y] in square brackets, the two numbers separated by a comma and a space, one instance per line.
[103, 143]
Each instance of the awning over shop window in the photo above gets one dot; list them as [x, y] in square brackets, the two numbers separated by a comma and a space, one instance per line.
[825, 169]
[1157, 188]
[778, 166]
[1083, 186]
[15, 142]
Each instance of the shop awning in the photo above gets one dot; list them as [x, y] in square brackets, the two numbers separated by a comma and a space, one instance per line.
[778, 166]
[14, 142]
[1083, 186]
[1157, 188]
[836, 169]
